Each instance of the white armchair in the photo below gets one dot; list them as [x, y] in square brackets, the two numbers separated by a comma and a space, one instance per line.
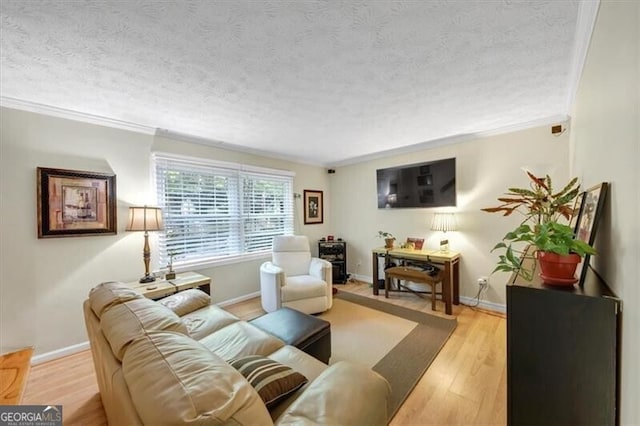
[295, 279]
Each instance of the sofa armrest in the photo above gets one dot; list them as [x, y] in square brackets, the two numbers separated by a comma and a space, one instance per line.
[345, 393]
[321, 269]
[271, 280]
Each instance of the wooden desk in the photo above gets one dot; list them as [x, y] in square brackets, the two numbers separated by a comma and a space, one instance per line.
[161, 288]
[450, 262]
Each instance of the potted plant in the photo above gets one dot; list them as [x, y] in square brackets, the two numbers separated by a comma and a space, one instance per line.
[557, 251]
[388, 238]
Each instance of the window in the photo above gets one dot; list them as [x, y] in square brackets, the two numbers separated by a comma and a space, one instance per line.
[216, 211]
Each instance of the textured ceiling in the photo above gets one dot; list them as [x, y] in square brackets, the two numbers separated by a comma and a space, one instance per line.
[321, 81]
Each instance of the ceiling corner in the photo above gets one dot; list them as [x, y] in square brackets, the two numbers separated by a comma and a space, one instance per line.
[587, 14]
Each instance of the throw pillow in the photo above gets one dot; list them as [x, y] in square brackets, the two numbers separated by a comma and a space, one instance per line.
[273, 381]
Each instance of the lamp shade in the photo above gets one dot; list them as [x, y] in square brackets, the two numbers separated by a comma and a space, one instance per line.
[444, 222]
[145, 219]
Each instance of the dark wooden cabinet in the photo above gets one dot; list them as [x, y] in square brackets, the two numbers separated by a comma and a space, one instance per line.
[336, 253]
[562, 353]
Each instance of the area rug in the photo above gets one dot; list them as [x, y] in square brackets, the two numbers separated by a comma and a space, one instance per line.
[397, 342]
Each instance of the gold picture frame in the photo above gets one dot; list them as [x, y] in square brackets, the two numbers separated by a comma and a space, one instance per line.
[74, 203]
[313, 207]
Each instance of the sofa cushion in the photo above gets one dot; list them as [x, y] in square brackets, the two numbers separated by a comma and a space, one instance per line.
[186, 301]
[107, 294]
[206, 320]
[240, 339]
[175, 380]
[332, 399]
[273, 381]
[123, 323]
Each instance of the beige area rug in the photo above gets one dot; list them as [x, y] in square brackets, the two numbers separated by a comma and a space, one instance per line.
[397, 342]
[363, 334]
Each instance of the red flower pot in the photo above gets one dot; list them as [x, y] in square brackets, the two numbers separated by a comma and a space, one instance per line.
[558, 269]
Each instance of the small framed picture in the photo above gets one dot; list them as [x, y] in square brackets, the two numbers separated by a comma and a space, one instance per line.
[313, 207]
[577, 207]
[417, 242]
[587, 224]
[74, 203]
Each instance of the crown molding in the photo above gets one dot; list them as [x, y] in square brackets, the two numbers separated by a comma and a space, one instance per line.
[34, 107]
[53, 111]
[451, 140]
[231, 147]
[585, 23]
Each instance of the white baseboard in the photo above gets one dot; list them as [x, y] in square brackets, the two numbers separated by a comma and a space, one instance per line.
[59, 353]
[360, 277]
[490, 306]
[239, 299]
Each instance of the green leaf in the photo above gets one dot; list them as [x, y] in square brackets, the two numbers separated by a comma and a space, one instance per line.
[522, 191]
[499, 245]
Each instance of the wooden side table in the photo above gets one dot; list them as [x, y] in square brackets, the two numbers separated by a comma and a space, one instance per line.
[161, 288]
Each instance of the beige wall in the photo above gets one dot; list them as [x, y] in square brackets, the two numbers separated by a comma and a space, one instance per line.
[485, 167]
[44, 281]
[605, 144]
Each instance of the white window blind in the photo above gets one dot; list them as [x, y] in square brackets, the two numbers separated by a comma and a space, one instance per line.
[214, 210]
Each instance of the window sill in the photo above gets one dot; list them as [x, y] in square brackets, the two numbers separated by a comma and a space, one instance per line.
[211, 263]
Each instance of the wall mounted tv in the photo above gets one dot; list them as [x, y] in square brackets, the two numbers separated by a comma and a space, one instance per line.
[429, 184]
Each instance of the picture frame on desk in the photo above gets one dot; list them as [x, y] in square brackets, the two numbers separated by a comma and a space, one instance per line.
[417, 242]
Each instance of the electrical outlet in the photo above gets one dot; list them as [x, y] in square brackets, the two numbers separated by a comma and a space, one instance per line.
[483, 282]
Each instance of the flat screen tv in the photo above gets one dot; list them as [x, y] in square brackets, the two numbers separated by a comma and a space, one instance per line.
[429, 184]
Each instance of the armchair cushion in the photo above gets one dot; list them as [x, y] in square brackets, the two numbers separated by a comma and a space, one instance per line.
[292, 254]
[303, 287]
[293, 263]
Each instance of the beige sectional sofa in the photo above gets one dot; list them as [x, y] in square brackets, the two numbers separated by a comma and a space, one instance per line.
[167, 362]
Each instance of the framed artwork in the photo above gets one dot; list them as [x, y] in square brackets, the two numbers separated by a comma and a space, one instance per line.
[577, 207]
[74, 203]
[417, 242]
[587, 223]
[313, 207]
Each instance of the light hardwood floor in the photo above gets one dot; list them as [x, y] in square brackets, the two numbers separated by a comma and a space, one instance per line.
[465, 384]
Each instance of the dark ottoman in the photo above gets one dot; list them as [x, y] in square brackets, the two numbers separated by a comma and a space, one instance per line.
[306, 332]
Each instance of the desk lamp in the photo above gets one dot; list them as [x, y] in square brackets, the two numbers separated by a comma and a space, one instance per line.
[145, 219]
[444, 222]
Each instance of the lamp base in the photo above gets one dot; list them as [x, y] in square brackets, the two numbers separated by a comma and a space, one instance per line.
[444, 246]
[147, 279]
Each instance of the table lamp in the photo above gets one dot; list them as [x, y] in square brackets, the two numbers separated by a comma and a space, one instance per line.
[444, 222]
[145, 219]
